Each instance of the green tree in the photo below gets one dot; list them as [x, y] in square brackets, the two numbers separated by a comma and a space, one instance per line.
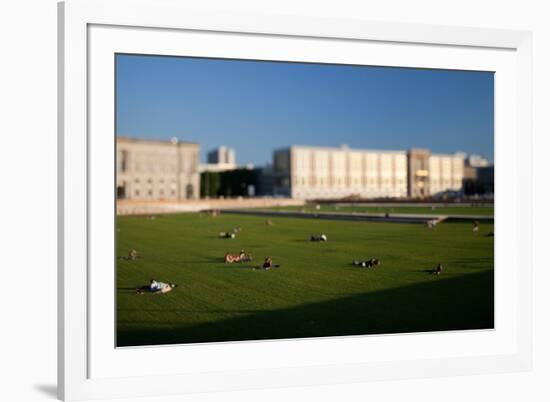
[210, 184]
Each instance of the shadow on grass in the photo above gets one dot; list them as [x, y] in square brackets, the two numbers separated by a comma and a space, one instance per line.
[204, 260]
[459, 303]
[237, 266]
[127, 289]
[475, 262]
[430, 271]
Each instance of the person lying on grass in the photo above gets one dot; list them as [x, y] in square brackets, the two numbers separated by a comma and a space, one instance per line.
[431, 224]
[373, 262]
[241, 257]
[268, 264]
[156, 287]
[321, 237]
[226, 235]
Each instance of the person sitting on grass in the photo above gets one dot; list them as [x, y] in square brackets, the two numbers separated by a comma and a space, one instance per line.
[245, 257]
[371, 263]
[268, 264]
[132, 254]
[156, 287]
[438, 270]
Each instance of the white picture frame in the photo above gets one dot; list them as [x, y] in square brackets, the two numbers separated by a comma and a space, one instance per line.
[90, 32]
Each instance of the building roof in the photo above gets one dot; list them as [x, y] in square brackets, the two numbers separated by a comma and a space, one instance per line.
[341, 148]
[155, 141]
[346, 148]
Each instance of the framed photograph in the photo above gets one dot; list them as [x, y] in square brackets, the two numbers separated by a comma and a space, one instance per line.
[254, 201]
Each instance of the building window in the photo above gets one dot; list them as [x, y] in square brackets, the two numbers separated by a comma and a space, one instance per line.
[121, 191]
[136, 193]
[122, 161]
[189, 191]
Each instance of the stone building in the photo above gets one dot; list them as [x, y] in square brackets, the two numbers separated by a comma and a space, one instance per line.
[432, 174]
[222, 155]
[418, 178]
[220, 159]
[319, 172]
[322, 173]
[157, 170]
[446, 173]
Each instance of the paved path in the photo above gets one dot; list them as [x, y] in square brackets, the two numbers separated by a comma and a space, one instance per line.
[436, 204]
[129, 207]
[361, 216]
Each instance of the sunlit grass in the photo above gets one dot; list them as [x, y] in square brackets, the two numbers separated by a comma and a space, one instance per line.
[315, 292]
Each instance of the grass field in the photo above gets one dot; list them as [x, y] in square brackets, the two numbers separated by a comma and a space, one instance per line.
[439, 210]
[315, 292]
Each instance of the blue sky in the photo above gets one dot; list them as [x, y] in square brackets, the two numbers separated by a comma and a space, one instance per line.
[256, 107]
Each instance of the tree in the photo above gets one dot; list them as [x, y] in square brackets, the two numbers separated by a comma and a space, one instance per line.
[210, 184]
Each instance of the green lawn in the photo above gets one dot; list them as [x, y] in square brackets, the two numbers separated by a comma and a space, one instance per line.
[316, 292]
[438, 210]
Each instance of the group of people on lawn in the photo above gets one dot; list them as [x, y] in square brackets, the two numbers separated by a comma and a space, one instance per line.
[157, 287]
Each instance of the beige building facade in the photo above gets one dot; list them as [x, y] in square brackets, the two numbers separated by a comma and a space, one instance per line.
[157, 170]
[306, 172]
[322, 173]
[432, 174]
[446, 173]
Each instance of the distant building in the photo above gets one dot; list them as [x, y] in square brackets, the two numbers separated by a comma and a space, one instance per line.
[432, 174]
[157, 170]
[216, 167]
[320, 172]
[220, 159]
[221, 155]
[265, 180]
[477, 161]
[418, 177]
[478, 176]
